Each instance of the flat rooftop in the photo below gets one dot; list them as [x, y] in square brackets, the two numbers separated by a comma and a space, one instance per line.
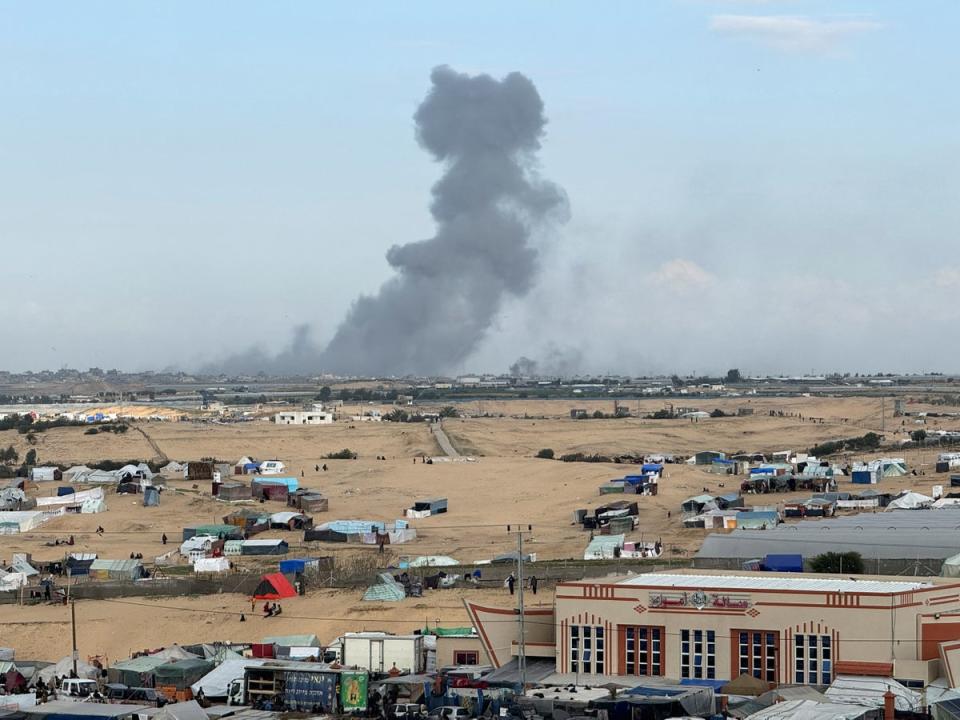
[765, 581]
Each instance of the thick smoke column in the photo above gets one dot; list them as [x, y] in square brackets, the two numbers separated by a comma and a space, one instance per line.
[448, 289]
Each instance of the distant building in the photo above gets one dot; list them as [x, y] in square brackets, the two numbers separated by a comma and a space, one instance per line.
[304, 417]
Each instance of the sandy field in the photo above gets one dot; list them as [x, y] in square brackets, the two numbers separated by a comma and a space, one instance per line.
[504, 485]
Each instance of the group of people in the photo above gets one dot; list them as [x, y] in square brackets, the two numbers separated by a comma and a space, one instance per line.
[272, 609]
[531, 581]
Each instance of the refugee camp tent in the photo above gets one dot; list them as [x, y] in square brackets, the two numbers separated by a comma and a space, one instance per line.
[745, 684]
[604, 547]
[117, 569]
[211, 565]
[172, 469]
[151, 496]
[274, 587]
[433, 561]
[264, 547]
[189, 710]
[216, 683]
[299, 565]
[870, 691]
[64, 668]
[695, 504]
[386, 589]
[757, 519]
[174, 652]
[136, 672]
[287, 520]
[951, 567]
[181, 674]
[305, 640]
[10, 582]
[910, 501]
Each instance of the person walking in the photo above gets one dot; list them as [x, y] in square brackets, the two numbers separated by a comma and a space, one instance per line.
[163, 538]
[511, 581]
[533, 584]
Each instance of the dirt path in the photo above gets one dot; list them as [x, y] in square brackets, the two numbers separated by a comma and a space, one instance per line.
[443, 441]
[161, 455]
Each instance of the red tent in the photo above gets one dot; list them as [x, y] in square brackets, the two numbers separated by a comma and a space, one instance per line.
[274, 587]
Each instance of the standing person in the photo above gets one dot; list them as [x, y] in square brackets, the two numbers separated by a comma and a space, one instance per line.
[511, 580]
[163, 539]
[533, 584]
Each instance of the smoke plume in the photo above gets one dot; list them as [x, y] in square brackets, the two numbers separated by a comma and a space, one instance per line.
[447, 290]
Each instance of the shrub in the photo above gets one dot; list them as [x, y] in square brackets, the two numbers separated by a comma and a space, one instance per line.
[583, 457]
[449, 412]
[850, 563]
[91, 431]
[345, 454]
[718, 413]
[662, 415]
[545, 454]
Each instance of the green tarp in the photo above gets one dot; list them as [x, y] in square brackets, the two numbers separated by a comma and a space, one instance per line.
[182, 673]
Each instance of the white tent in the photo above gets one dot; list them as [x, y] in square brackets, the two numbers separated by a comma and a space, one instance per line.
[433, 561]
[64, 667]
[173, 653]
[9, 582]
[951, 567]
[811, 710]
[870, 691]
[211, 565]
[216, 683]
[910, 501]
[189, 710]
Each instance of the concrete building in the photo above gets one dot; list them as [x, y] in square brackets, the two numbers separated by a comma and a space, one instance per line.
[781, 628]
[304, 417]
[461, 649]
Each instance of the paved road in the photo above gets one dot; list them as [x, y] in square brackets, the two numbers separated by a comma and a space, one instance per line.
[443, 440]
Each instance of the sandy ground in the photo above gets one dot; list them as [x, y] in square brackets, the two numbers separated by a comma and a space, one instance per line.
[117, 628]
[506, 485]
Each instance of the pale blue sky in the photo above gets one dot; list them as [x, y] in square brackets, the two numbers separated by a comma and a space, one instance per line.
[181, 180]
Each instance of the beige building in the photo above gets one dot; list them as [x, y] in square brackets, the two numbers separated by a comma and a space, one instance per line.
[782, 628]
[460, 650]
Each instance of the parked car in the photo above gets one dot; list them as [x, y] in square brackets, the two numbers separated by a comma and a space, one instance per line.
[450, 712]
[120, 693]
[79, 687]
[403, 711]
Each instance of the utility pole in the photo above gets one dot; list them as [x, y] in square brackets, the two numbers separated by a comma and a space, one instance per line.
[522, 644]
[73, 627]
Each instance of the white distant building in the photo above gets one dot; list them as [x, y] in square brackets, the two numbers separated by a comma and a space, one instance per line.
[304, 417]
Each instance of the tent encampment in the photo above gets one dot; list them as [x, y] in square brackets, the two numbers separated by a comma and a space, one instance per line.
[181, 674]
[64, 668]
[216, 683]
[274, 587]
[910, 501]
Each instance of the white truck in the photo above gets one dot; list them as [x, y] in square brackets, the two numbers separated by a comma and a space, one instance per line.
[380, 652]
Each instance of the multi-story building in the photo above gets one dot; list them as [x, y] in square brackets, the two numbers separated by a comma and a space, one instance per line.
[782, 628]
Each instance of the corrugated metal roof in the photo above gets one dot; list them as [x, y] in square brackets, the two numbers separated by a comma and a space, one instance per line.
[766, 582]
[924, 534]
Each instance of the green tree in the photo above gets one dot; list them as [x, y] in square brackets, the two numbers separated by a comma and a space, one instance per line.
[918, 436]
[849, 563]
[598, 414]
[718, 413]
[449, 412]
[545, 454]
[325, 394]
[31, 458]
[734, 376]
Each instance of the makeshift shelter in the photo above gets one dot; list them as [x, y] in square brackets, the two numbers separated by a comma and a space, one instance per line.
[385, 590]
[231, 491]
[910, 501]
[151, 496]
[211, 565]
[299, 565]
[64, 668]
[181, 674]
[433, 561]
[757, 519]
[427, 507]
[314, 502]
[306, 640]
[288, 520]
[745, 685]
[869, 691]
[264, 547]
[951, 567]
[189, 710]
[136, 672]
[696, 503]
[274, 587]
[117, 569]
[174, 652]
[216, 683]
[604, 547]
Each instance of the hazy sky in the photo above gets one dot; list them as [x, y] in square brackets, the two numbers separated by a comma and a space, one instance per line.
[768, 184]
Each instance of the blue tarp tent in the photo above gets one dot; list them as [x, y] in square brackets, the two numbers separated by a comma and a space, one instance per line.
[61, 491]
[783, 563]
[290, 482]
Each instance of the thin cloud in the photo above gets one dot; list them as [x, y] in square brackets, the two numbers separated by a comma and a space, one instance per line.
[792, 33]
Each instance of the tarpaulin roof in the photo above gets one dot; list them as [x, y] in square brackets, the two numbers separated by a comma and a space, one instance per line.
[143, 664]
[306, 640]
[387, 589]
[216, 683]
[181, 670]
[174, 652]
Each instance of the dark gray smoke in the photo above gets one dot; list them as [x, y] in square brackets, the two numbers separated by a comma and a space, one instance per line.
[448, 289]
